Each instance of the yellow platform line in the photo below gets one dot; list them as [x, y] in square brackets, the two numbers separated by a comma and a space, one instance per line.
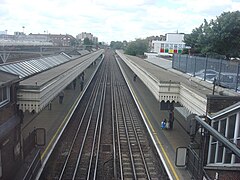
[62, 124]
[59, 128]
[155, 135]
[151, 127]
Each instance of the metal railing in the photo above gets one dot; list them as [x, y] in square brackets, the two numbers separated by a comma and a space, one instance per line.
[194, 164]
[226, 72]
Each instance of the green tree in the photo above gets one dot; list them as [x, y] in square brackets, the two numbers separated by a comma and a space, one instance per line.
[88, 44]
[87, 41]
[226, 32]
[220, 36]
[74, 42]
[116, 45]
[137, 47]
[192, 39]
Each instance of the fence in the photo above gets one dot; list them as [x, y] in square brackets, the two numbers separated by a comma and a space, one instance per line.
[225, 72]
[194, 164]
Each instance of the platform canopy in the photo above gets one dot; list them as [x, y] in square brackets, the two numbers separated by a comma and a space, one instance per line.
[30, 67]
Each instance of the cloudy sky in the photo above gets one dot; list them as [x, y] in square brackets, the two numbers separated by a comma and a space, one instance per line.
[110, 19]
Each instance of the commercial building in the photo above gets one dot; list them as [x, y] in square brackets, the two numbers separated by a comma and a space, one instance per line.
[173, 44]
[84, 35]
[55, 39]
[95, 40]
[90, 36]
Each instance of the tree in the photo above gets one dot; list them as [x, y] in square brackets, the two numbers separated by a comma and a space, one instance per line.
[192, 40]
[220, 36]
[137, 47]
[87, 41]
[116, 45]
[74, 42]
[226, 31]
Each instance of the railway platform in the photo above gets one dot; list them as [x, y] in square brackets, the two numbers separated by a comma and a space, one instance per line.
[167, 140]
[52, 119]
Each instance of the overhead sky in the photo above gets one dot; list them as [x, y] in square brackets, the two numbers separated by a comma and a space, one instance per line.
[110, 20]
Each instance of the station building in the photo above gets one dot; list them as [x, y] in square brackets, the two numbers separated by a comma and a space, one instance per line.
[29, 86]
[10, 126]
[173, 44]
[221, 162]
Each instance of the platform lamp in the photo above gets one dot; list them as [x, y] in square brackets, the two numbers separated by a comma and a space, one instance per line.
[6, 34]
[214, 85]
[46, 31]
[23, 29]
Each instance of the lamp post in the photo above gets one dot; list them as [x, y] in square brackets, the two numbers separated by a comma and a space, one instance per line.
[214, 85]
[6, 34]
[46, 35]
[23, 29]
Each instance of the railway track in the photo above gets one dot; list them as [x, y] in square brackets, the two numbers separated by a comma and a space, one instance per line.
[133, 151]
[105, 138]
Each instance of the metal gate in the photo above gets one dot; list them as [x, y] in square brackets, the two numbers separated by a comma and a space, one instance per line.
[188, 157]
[194, 164]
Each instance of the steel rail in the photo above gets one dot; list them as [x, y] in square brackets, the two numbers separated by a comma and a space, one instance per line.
[76, 134]
[136, 136]
[127, 133]
[92, 98]
[113, 126]
[99, 118]
[85, 134]
[118, 131]
[100, 130]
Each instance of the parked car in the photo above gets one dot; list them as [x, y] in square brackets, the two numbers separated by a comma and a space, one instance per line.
[210, 74]
[228, 80]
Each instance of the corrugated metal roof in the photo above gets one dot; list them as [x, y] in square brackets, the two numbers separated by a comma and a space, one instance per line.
[29, 67]
[83, 52]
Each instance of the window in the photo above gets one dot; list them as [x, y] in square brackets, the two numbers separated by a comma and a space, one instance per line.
[220, 153]
[230, 128]
[222, 130]
[237, 159]
[213, 151]
[4, 95]
[179, 46]
[223, 127]
[213, 144]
